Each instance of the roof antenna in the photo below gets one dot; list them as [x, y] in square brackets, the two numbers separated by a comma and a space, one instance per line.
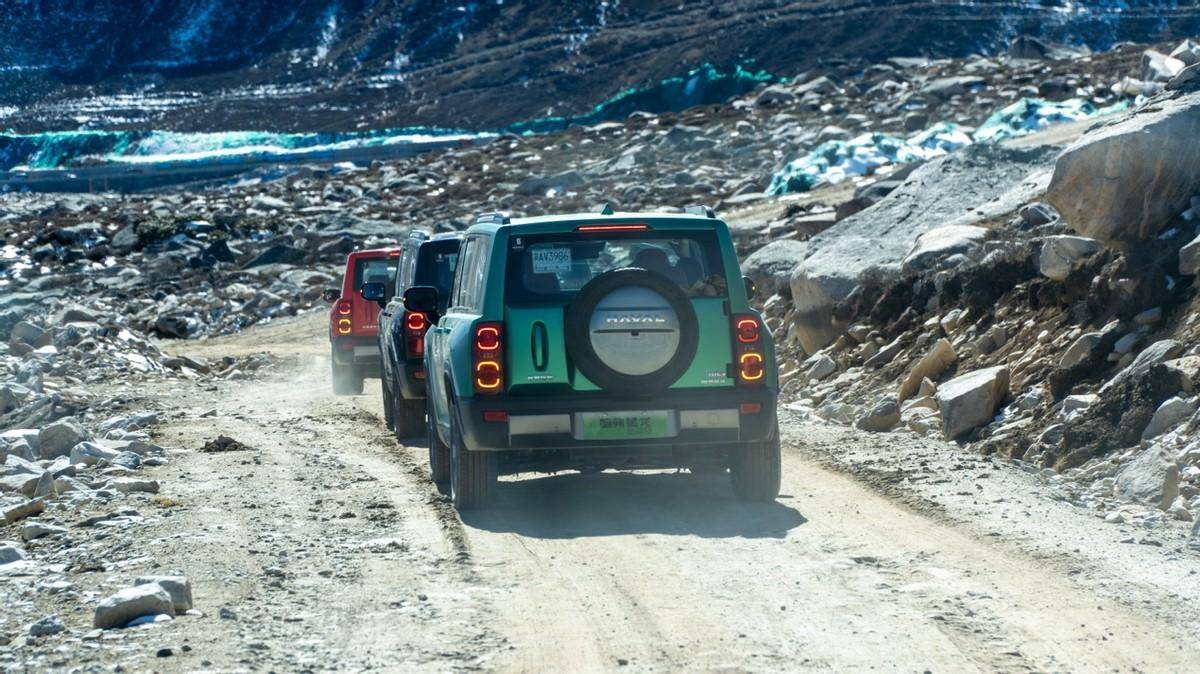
[606, 209]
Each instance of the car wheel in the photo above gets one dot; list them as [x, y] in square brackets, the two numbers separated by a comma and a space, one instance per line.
[347, 380]
[408, 417]
[755, 470]
[389, 406]
[439, 454]
[472, 474]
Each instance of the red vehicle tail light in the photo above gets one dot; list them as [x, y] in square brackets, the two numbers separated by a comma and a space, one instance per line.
[748, 351]
[495, 416]
[344, 307]
[489, 358]
[344, 326]
[747, 330]
[415, 325]
[750, 408]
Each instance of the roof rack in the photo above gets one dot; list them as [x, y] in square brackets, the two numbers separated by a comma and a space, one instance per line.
[494, 218]
[419, 234]
[698, 209]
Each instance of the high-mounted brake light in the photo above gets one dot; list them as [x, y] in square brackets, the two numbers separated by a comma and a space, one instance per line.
[748, 352]
[488, 358]
[613, 228]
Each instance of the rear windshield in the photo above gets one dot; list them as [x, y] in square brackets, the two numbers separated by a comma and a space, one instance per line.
[375, 270]
[555, 266]
[435, 265]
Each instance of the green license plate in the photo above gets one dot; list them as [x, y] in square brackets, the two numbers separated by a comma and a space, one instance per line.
[625, 425]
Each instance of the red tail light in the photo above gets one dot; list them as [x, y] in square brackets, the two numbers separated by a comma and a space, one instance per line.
[344, 307]
[415, 325]
[748, 352]
[489, 358]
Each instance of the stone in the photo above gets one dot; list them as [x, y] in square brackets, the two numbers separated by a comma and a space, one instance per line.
[886, 354]
[1060, 254]
[964, 188]
[1158, 67]
[20, 511]
[1081, 350]
[1151, 479]
[931, 366]
[1189, 258]
[178, 587]
[1158, 352]
[938, 244]
[92, 453]
[945, 87]
[58, 438]
[1126, 179]
[130, 485]
[34, 530]
[1188, 53]
[1169, 415]
[971, 400]
[120, 609]
[883, 417]
[822, 367]
[1149, 316]
[10, 553]
[775, 95]
[1037, 214]
[1074, 404]
[47, 626]
[770, 267]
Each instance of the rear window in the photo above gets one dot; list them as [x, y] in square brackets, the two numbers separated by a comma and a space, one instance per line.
[435, 265]
[555, 266]
[375, 270]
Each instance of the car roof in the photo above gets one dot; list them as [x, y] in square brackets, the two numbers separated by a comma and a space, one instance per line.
[375, 252]
[568, 221]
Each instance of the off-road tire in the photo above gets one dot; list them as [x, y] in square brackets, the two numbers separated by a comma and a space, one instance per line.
[439, 454]
[347, 379]
[755, 470]
[389, 408]
[472, 474]
[408, 417]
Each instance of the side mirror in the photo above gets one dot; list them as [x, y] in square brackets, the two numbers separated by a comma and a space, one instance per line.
[331, 294]
[751, 289]
[374, 292]
[423, 299]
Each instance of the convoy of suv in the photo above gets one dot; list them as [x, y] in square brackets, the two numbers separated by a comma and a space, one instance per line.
[579, 342]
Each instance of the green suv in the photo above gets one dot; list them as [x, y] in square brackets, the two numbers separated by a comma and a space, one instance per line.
[598, 341]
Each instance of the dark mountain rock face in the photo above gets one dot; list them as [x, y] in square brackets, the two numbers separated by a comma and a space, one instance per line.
[320, 64]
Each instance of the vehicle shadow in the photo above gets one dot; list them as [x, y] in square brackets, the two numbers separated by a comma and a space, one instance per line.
[571, 505]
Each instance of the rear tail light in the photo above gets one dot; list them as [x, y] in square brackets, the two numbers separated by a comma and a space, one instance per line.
[489, 358]
[344, 308]
[415, 325]
[750, 408]
[344, 326]
[749, 355]
[495, 416]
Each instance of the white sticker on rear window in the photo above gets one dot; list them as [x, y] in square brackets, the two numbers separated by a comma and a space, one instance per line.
[551, 260]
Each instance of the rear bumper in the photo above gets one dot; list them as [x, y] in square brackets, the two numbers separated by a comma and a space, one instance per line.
[699, 418]
[356, 351]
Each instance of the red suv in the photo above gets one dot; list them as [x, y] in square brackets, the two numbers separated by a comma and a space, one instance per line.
[354, 321]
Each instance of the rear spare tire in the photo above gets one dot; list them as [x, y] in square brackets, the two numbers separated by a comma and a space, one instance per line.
[632, 331]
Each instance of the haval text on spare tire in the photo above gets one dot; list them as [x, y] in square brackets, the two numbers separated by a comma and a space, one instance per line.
[598, 341]
[354, 320]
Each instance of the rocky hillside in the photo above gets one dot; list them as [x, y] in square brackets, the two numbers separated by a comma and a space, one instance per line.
[341, 65]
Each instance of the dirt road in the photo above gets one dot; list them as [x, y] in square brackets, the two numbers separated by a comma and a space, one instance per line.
[325, 546]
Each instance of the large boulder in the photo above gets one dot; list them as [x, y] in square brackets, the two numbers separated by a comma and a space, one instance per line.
[971, 400]
[770, 267]
[1126, 179]
[937, 244]
[1151, 479]
[936, 194]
